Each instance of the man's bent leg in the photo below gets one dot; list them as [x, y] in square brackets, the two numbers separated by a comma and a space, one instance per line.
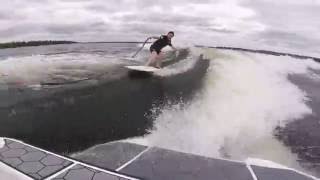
[159, 60]
[152, 58]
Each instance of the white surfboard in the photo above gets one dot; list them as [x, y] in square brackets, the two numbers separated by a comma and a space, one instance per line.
[143, 68]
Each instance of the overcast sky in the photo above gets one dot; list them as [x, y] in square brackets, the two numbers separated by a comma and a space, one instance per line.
[273, 24]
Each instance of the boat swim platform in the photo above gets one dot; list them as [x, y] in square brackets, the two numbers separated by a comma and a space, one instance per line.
[128, 161]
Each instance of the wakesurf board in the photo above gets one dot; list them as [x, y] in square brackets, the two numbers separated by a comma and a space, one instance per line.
[143, 68]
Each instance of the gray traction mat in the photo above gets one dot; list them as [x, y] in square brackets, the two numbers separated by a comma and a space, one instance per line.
[40, 164]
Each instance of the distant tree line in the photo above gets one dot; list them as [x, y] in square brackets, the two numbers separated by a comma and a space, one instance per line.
[263, 52]
[31, 43]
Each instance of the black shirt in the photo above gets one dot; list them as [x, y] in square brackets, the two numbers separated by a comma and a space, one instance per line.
[161, 43]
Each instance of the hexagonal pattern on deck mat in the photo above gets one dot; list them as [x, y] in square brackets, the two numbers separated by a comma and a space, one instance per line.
[30, 161]
[80, 172]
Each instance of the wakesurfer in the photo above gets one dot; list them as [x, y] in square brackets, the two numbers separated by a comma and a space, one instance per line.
[156, 56]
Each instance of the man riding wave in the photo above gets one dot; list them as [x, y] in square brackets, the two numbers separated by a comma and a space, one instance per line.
[156, 56]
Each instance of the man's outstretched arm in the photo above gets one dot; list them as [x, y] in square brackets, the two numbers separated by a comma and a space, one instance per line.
[153, 37]
[174, 48]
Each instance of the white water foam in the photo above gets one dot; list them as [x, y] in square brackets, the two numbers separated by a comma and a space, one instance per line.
[181, 66]
[244, 98]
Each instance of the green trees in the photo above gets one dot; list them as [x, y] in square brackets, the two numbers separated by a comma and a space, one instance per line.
[31, 43]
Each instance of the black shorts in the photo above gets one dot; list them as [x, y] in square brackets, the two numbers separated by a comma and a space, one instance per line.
[155, 49]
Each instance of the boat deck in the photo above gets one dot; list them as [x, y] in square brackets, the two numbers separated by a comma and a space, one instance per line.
[129, 161]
